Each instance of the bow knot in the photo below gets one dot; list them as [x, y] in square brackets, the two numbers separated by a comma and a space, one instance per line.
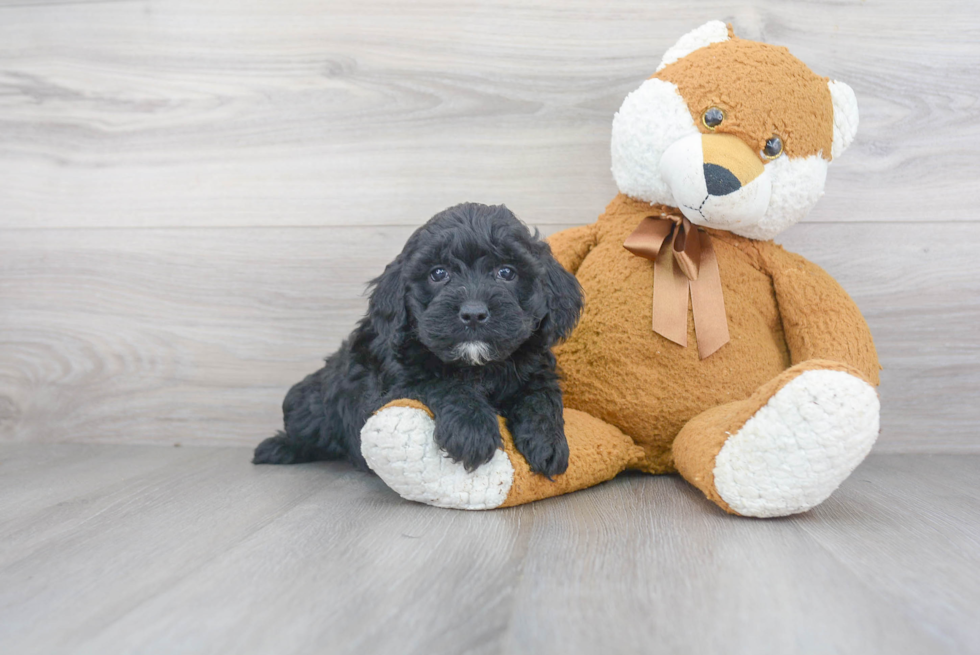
[687, 266]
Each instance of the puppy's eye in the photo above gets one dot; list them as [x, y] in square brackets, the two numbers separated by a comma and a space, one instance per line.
[774, 147]
[438, 274]
[712, 117]
[506, 273]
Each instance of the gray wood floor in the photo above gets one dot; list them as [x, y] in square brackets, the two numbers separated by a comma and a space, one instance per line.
[142, 549]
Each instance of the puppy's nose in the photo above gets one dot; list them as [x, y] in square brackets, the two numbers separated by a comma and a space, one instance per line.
[474, 313]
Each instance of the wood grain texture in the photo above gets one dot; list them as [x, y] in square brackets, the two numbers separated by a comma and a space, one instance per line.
[194, 335]
[194, 550]
[302, 112]
[192, 196]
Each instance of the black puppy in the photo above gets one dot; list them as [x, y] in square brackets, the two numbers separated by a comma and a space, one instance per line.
[463, 320]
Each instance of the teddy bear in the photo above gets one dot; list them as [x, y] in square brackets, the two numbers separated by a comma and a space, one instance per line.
[704, 348]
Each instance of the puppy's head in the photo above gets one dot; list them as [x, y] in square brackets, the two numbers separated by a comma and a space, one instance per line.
[472, 285]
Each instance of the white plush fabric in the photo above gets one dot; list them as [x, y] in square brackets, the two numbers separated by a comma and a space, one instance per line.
[797, 185]
[650, 120]
[712, 32]
[845, 117]
[398, 445]
[798, 448]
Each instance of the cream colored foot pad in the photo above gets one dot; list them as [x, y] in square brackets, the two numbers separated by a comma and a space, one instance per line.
[398, 445]
[798, 448]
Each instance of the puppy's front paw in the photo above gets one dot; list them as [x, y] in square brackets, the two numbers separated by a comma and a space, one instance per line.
[470, 438]
[542, 442]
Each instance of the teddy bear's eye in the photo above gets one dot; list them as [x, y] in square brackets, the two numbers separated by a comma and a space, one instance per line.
[774, 147]
[712, 118]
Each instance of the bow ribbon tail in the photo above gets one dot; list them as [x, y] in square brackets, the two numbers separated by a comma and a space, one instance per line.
[684, 265]
[670, 292]
[708, 304]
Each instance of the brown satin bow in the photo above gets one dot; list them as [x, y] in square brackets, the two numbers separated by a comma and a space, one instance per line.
[688, 263]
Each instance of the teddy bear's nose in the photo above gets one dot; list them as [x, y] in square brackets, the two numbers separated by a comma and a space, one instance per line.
[719, 180]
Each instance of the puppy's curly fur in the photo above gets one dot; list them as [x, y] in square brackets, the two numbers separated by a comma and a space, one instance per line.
[463, 320]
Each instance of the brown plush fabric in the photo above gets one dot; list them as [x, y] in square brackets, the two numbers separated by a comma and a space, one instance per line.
[572, 245]
[597, 452]
[616, 368]
[819, 319]
[762, 89]
[702, 438]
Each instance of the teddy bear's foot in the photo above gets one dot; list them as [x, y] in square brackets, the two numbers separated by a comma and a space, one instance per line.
[796, 450]
[792, 452]
[398, 444]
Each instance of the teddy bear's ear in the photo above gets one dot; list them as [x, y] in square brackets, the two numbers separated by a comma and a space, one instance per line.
[713, 32]
[845, 117]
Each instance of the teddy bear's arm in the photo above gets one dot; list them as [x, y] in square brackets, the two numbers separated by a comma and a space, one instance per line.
[572, 245]
[820, 321]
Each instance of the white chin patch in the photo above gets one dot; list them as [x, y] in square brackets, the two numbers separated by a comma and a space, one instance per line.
[650, 120]
[476, 353]
[682, 166]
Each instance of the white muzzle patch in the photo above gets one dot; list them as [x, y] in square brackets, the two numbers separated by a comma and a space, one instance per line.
[683, 169]
[476, 353]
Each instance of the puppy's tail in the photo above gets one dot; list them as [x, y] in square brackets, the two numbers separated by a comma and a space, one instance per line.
[280, 449]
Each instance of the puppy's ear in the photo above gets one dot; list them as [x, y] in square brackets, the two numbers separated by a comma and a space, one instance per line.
[386, 307]
[564, 298]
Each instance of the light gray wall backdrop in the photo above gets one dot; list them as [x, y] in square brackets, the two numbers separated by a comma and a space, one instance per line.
[193, 194]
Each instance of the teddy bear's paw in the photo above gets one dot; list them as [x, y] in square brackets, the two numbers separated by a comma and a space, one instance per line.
[797, 449]
[398, 444]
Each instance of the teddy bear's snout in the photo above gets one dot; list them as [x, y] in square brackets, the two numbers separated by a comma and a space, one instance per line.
[716, 180]
[729, 163]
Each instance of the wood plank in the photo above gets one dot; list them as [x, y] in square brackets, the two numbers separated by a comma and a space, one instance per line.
[327, 555]
[121, 545]
[172, 335]
[651, 566]
[36, 477]
[211, 552]
[194, 335]
[909, 527]
[300, 112]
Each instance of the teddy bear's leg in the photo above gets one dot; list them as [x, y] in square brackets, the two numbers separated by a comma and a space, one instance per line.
[786, 448]
[397, 443]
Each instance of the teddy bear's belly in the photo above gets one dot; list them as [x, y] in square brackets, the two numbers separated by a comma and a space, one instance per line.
[616, 368]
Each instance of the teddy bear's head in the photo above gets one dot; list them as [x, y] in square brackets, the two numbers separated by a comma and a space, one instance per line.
[736, 134]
